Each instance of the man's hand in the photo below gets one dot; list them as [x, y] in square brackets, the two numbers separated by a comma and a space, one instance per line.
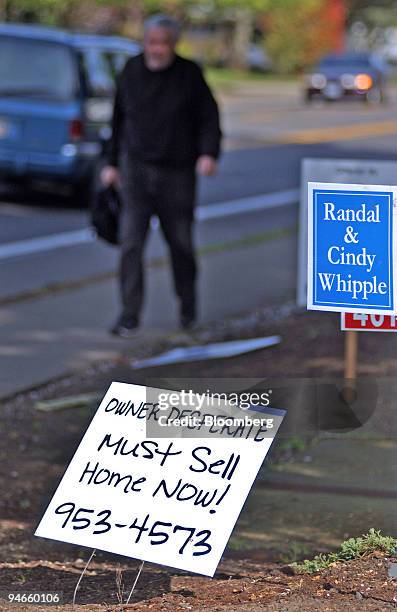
[109, 176]
[206, 165]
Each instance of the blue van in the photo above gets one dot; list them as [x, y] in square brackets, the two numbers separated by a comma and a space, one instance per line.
[56, 101]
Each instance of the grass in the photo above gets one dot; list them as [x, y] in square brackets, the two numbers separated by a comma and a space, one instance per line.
[294, 443]
[353, 548]
[237, 542]
[248, 241]
[295, 550]
[229, 77]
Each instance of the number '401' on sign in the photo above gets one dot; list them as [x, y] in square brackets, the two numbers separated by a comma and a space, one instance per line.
[358, 321]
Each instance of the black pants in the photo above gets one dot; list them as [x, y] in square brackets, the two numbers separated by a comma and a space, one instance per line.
[146, 190]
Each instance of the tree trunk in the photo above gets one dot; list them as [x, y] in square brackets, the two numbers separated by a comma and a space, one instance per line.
[6, 11]
[243, 20]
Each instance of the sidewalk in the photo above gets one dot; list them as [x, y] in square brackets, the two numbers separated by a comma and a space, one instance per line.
[47, 337]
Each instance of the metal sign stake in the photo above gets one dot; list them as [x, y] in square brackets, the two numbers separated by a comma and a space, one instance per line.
[135, 582]
[81, 577]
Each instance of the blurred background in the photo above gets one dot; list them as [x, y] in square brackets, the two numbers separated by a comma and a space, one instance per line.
[279, 36]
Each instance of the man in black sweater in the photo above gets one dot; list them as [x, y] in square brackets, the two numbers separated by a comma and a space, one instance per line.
[165, 129]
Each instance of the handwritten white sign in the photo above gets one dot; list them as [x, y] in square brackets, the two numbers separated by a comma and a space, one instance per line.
[172, 501]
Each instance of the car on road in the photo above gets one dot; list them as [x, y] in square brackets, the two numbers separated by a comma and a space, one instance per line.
[56, 100]
[347, 75]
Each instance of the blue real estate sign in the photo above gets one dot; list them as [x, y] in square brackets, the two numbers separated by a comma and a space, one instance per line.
[351, 248]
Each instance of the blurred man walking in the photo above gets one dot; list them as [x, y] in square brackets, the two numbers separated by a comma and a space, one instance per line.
[165, 129]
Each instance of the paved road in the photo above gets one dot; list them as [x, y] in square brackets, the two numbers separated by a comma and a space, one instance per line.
[246, 235]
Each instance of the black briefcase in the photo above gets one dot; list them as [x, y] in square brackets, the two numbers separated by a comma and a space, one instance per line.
[105, 213]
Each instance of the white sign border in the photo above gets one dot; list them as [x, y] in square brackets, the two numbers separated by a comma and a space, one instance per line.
[349, 187]
[207, 567]
[335, 170]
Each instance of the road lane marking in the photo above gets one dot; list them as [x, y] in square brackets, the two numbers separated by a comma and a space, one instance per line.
[45, 243]
[203, 213]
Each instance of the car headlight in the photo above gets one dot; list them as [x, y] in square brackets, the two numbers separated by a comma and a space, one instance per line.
[318, 81]
[348, 81]
[363, 82]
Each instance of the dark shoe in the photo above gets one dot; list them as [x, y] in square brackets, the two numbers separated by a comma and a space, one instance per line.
[188, 322]
[125, 328]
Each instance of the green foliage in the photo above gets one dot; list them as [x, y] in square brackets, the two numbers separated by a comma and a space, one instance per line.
[297, 33]
[295, 551]
[227, 79]
[294, 443]
[353, 548]
[363, 10]
[29, 10]
[297, 36]
[254, 5]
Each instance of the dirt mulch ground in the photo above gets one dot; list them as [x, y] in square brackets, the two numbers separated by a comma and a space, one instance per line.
[238, 585]
[35, 448]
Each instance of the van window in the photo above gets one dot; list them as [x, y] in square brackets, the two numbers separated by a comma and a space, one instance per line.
[31, 68]
[98, 73]
[118, 60]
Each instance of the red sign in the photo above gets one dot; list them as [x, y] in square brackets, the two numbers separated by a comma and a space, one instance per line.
[368, 322]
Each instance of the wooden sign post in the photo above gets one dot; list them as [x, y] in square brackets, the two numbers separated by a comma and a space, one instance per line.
[350, 369]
